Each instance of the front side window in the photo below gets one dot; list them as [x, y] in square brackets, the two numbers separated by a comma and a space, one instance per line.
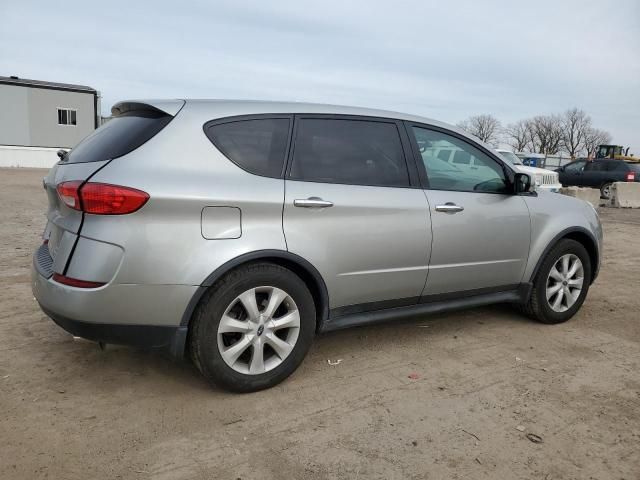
[354, 152]
[257, 146]
[67, 116]
[471, 169]
[575, 166]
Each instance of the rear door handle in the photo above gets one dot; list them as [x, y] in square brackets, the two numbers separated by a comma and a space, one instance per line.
[449, 207]
[312, 202]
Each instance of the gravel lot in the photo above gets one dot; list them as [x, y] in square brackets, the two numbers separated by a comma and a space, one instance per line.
[69, 410]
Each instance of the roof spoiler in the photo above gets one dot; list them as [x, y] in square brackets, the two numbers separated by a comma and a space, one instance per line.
[166, 107]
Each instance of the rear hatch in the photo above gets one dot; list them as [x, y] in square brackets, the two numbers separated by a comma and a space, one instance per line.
[132, 124]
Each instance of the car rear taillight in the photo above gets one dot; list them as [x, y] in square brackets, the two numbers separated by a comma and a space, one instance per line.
[101, 198]
[631, 177]
[74, 282]
[68, 193]
[105, 199]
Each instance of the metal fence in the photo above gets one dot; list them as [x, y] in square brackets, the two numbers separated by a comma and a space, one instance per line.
[544, 161]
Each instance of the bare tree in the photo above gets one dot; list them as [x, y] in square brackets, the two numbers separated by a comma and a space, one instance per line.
[547, 134]
[519, 135]
[595, 137]
[485, 127]
[575, 126]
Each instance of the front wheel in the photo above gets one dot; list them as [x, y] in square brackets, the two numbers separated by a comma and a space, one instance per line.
[253, 328]
[561, 284]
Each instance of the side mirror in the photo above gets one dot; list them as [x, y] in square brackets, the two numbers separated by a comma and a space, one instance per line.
[523, 183]
[61, 154]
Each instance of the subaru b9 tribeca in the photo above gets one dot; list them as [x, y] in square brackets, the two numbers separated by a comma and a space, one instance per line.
[234, 231]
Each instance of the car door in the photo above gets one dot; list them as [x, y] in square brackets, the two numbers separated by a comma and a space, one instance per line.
[594, 174]
[353, 211]
[571, 173]
[481, 231]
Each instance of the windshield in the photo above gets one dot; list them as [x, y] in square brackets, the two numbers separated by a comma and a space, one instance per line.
[511, 157]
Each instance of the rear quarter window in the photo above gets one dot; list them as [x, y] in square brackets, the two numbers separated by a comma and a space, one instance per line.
[258, 146]
[119, 136]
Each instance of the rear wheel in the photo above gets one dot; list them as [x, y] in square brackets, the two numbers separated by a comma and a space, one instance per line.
[561, 284]
[605, 191]
[253, 328]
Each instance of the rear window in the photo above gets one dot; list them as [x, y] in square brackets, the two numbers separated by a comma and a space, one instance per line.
[119, 136]
[634, 167]
[257, 146]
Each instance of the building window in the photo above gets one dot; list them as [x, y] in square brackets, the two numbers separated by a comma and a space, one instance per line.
[66, 116]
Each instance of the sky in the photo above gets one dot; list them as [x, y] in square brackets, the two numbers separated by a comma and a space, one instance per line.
[440, 59]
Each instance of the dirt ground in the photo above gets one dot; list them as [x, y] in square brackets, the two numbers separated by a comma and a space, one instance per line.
[71, 411]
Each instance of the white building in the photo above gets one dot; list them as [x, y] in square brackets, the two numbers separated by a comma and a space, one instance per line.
[37, 118]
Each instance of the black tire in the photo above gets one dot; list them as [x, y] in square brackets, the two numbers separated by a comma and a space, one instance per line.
[537, 307]
[203, 345]
[605, 191]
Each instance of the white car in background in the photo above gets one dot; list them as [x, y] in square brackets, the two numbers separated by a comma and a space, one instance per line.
[545, 179]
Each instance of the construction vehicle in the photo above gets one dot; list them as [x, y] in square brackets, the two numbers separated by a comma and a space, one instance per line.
[616, 152]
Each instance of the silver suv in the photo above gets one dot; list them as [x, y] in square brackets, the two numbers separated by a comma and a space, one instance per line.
[235, 231]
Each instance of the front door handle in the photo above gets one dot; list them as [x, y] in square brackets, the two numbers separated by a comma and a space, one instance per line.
[449, 207]
[312, 202]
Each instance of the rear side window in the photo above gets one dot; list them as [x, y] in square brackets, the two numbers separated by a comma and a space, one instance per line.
[617, 166]
[462, 157]
[444, 155]
[603, 166]
[257, 146]
[119, 136]
[354, 152]
[623, 166]
[594, 167]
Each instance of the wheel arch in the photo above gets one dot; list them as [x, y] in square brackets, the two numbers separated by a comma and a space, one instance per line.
[580, 235]
[298, 265]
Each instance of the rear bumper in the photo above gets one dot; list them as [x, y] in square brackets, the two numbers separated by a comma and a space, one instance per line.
[128, 314]
[170, 339]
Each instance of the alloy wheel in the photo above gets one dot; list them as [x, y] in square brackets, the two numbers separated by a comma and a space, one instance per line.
[258, 330]
[564, 283]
